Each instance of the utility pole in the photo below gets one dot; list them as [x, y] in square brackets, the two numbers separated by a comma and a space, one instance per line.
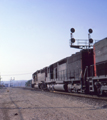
[11, 81]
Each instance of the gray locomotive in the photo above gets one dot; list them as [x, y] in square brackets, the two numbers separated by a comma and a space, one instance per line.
[84, 71]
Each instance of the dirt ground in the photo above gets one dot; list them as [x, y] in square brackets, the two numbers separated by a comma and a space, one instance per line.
[26, 104]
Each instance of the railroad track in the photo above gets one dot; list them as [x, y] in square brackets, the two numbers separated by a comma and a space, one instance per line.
[74, 94]
[81, 95]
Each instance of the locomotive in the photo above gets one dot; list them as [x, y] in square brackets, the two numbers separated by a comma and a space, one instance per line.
[82, 72]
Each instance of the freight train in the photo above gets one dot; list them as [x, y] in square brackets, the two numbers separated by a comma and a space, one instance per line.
[82, 72]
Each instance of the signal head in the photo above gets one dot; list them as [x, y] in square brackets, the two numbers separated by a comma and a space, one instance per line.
[90, 40]
[90, 30]
[72, 30]
[72, 40]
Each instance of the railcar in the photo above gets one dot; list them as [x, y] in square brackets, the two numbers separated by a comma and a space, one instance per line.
[98, 77]
[39, 78]
[84, 71]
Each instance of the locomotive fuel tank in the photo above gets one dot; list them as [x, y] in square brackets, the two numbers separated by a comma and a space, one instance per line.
[61, 87]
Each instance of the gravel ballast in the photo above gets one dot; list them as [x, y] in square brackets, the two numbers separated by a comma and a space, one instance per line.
[28, 104]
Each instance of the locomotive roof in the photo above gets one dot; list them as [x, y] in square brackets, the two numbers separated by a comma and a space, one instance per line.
[101, 42]
[60, 61]
[39, 70]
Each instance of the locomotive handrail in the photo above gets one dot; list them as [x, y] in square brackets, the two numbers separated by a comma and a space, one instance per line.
[82, 43]
[80, 74]
[92, 70]
[86, 71]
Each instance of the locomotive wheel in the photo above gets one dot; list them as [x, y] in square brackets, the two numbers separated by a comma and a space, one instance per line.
[41, 86]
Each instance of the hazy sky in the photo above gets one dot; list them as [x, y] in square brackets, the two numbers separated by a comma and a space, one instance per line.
[36, 33]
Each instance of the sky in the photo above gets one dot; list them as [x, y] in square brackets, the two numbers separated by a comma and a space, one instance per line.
[36, 33]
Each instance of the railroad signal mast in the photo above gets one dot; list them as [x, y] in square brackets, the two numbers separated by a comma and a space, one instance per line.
[81, 44]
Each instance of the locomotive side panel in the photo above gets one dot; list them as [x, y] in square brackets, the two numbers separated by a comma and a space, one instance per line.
[101, 57]
[34, 79]
[101, 50]
[41, 77]
[62, 72]
[61, 69]
[48, 75]
[74, 67]
[55, 71]
[51, 73]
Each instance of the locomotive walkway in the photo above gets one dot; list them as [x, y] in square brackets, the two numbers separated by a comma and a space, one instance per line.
[29, 104]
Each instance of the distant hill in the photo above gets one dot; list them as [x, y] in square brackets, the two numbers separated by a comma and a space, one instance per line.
[15, 83]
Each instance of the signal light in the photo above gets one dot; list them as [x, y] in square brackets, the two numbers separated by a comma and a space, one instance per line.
[72, 30]
[72, 40]
[90, 40]
[90, 30]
